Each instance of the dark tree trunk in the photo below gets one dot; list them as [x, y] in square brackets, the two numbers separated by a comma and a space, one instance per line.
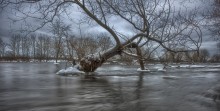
[91, 62]
[140, 58]
[139, 54]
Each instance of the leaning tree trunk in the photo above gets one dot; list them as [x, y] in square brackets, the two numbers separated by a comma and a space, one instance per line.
[91, 62]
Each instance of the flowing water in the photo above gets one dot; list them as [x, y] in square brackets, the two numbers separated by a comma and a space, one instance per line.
[36, 87]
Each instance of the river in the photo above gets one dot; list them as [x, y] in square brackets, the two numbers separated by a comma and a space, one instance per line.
[36, 87]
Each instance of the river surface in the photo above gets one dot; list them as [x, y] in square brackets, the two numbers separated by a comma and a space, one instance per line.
[36, 87]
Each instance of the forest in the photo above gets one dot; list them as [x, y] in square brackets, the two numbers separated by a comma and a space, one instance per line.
[44, 48]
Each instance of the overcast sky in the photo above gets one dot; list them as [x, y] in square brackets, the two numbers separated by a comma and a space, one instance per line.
[8, 27]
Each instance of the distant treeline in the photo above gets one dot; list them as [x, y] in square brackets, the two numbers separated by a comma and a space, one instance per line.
[43, 48]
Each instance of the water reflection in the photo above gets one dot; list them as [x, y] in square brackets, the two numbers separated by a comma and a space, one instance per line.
[33, 86]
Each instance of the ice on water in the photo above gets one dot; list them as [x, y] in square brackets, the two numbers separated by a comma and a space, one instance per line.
[70, 70]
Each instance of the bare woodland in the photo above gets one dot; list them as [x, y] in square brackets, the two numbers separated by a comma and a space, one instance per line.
[155, 25]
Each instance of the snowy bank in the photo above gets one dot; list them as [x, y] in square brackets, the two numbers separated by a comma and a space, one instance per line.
[56, 63]
[152, 70]
[70, 71]
[161, 70]
[145, 70]
[170, 77]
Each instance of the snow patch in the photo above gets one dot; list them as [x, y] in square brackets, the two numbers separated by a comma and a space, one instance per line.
[173, 66]
[145, 70]
[161, 70]
[214, 66]
[70, 71]
[157, 69]
[187, 66]
[197, 66]
[92, 57]
[56, 63]
[184, 66]
[96, 56]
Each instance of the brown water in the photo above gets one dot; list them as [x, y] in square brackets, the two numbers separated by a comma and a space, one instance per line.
[36, 87]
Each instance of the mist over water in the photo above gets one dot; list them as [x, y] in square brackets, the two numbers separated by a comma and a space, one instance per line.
[36, 87]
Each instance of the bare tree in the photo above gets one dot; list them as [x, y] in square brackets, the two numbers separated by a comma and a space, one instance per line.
[2, 48]
[48, 48]
[70, 46]
[83, 46]
[59, 30]
[149, 20]
[104, 41]
[15, 45]
[204, 55]
[33, 45]
[216, 18]
[215, 58]
[212, 15]
[25, 48]
[218, 47]
[43, 48]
